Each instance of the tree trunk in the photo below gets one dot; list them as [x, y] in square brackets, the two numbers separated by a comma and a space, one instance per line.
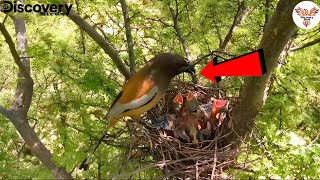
[278, 32]
[18, 112]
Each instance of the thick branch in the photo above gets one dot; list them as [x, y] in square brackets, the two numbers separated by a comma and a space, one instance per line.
[81, 33]
[5, 112]
[104, 44]
[275, 37]
[128, 35]
[311, 43]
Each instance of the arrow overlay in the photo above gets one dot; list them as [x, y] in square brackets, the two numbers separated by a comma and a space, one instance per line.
[251, 64]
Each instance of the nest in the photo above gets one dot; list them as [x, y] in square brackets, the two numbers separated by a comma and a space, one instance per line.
[202, 160]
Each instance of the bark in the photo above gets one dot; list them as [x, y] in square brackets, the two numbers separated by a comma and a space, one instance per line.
[128, 35]
[5, 112]
[23, 97]
[103, 43]
[311, 43]
[278, 32]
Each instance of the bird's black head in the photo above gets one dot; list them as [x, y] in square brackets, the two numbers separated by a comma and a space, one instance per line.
[188, 69]
[171, 64]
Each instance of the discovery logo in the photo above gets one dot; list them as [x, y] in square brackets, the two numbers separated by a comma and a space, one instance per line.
[43, 9]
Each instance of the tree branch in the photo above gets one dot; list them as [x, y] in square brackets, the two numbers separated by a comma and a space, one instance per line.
[128, 35]
[215, 53]
[14, 52]
[81, 32]
[174, 15]
[104, 44]
[5, 112]
[311, 43]
[218, 32]
[239, 17]
[23, 97]
[159, 20]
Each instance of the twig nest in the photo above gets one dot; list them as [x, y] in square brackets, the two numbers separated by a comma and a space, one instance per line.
[184, 139]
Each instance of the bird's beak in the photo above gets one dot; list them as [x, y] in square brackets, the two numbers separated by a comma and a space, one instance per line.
[191, 69]
[188, 69]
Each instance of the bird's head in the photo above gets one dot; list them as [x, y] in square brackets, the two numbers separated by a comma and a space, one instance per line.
[220, 105]
[177, 103]
[172, 64]
[220, 108]
[192, 102]
[188, 68]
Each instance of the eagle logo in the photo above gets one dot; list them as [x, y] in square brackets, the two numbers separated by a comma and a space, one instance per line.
[306, 15]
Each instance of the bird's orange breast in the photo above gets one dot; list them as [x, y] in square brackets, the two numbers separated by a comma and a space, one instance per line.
[137, 86]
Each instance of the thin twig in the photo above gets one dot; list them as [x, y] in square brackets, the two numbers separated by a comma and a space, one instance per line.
[128, 35]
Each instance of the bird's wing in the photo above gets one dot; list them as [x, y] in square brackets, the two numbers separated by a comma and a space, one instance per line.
[299, 11]
[313, 11]
[138, 91]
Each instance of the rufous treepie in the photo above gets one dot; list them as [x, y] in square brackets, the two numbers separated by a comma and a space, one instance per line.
[147, 86]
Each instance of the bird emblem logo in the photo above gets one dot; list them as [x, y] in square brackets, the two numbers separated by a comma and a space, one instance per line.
[306, 14]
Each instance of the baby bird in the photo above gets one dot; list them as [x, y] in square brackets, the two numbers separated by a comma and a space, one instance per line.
[190, 119]
[211, 115]
[173, 124]
[178, 104]
[220, 107]
[192, 102]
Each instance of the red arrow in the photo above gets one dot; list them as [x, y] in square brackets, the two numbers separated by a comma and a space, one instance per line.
[251, 64]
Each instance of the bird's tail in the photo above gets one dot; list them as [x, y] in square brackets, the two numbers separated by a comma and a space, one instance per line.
[112, 123]
[85, 163]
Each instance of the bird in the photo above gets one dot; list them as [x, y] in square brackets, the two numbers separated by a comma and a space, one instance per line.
[172, 125]
[192, 102]
[166, 122]
[205, 132]
[147, 86]
[210, 115]
[178, 104]
[179, 129]
[190, 118]
[144, 89]
[218, 113]
[190, 125]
